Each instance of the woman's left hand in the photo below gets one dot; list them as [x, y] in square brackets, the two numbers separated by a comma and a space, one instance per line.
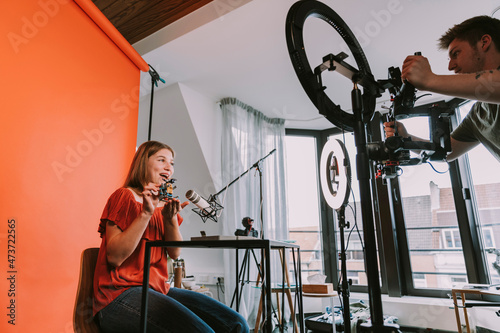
[171, 208]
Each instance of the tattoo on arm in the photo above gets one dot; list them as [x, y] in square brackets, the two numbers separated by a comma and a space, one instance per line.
[478, 74]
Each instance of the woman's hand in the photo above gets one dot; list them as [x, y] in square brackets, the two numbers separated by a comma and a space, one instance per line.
[150, 198]
[122, 243]
[171, 209]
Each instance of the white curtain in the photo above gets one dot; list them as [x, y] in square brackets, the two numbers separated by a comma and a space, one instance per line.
[248, 136]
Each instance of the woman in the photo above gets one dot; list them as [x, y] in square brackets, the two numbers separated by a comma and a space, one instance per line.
[133, 215]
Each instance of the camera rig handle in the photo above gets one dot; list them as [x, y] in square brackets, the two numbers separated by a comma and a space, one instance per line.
[407, 95]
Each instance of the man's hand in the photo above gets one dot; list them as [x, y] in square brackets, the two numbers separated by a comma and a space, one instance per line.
[417, 71]
[390, 130]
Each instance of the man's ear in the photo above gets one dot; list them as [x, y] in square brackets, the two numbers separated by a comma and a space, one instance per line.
[485, 42]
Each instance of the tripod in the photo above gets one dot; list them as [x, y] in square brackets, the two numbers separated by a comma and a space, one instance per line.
[245, 265]
[242, 272]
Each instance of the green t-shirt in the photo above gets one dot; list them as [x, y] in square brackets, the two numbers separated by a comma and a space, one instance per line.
[482, 124]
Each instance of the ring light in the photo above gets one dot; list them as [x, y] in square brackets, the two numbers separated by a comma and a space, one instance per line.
[295, 20]
[335, 174]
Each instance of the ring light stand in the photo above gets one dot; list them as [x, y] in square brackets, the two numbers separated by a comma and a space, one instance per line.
[363, 106]
[335, 176]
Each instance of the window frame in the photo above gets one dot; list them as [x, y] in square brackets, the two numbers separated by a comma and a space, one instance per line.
[394, 255]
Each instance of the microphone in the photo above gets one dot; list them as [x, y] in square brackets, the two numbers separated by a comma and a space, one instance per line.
[199, 202]
[206, 209]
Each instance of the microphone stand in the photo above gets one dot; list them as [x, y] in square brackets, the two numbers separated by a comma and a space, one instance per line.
[246, 260]
[215, 207]
[256, 165]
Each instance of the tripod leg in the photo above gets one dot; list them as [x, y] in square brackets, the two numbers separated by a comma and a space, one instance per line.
[244, 268]
[239, 274]
[259, 266]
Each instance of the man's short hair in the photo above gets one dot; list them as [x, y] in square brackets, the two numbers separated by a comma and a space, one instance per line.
[472, 30]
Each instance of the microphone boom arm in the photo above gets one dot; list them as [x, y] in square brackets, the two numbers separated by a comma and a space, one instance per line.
[255, 165]
[215, 207]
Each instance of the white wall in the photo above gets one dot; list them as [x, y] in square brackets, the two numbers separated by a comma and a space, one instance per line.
[206, 119]
[188, 122]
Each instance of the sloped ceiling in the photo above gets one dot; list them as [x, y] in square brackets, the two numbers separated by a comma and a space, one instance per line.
[237, 48]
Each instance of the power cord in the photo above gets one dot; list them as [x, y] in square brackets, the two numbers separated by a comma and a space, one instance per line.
[220, 287]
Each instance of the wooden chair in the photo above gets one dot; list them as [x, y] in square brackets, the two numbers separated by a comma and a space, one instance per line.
[83, 320]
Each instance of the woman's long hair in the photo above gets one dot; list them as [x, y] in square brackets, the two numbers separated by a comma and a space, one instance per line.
[137, 175]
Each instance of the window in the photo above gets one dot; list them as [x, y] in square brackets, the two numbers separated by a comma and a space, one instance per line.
[420, 280]
[303, 199]
[458, 279]
[451, 239]
[354, 277]
[486, 189]
[488, 238]
[430, 221]
[437, 239]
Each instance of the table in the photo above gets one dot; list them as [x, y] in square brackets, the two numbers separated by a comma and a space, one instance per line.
[265, 245]
[475, 291]
[332, 297]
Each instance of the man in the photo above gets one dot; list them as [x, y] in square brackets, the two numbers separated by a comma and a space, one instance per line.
[474, 53]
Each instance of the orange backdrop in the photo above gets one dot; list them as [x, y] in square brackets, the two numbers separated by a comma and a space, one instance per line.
[68, 131]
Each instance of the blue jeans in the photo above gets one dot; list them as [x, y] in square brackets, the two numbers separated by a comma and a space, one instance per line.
[178, 312]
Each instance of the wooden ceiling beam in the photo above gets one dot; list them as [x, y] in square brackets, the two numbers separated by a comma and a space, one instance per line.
[137, 19]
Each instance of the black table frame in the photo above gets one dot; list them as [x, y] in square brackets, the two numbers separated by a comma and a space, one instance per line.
[264, 245]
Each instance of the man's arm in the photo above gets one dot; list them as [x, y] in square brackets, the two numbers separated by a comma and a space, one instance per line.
[458, 148]
[482, 86]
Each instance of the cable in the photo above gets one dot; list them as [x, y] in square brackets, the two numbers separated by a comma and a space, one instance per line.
[220, 287]
[437, 171]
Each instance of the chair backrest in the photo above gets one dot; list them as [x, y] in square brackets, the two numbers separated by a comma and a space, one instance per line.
[83, 320]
